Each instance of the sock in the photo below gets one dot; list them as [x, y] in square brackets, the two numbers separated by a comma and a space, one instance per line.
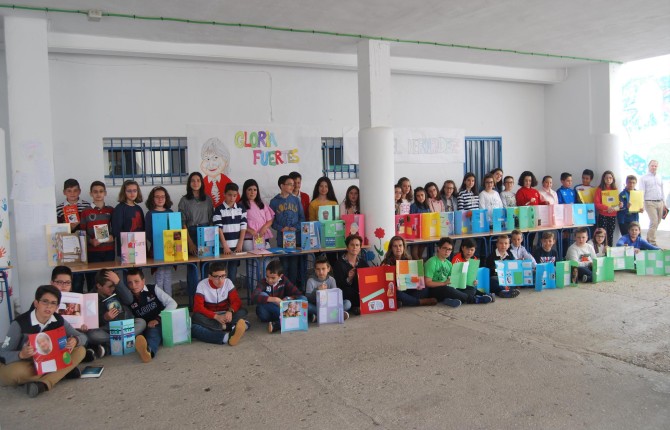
[225, 338]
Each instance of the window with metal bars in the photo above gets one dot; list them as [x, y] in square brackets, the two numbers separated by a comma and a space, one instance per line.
[148, 160]
[482, 154]
[332, 151]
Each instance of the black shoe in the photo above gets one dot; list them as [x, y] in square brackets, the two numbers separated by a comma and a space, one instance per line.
[73, 374]
[34, 389]
[99, 351]
[90, 356]
[355, 311]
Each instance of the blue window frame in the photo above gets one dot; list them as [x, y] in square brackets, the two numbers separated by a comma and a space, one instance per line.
[332, 151]
[148, 160]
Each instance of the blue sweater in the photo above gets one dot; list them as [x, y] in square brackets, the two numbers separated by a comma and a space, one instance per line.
[288, 213]
[638, 244]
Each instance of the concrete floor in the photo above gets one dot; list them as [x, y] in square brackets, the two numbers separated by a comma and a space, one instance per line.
[592, 357]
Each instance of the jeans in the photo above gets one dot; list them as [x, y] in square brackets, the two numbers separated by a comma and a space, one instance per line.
[267, 312]
[412, 297]
[290, 266]
[192, 275]
[585, 271]
[232, 269]
[154, 336]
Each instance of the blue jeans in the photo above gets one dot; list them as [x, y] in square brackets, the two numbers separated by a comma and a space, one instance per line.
[290, 266]
[412, 297]
[232, 269]
[209, 330]
[154, 336]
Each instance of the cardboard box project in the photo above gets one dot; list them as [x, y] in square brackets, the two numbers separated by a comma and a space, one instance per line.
[502, 220]
[462, 222]
[133, 248]
[175, 245]
[332, 234]
[122, 336]
[624, 257]
[603, 269]
[545, 276]
[484, 280]
[464, 274]
[208, 242]
[52, 231]
[562, 214]
[160, 223]
[430, 225]
[310, 236]
[329, 213]
[293, 315]
[329, 305]
[71, 248]
[566, 273]
[354, 224]
[79, 309]
[515, 273]
[652, 263]
[409, 275]
[176, 326]
[446, 223]
[51, 350]
[376, 286]
[408, 226]
[289, 240]
[480, 221]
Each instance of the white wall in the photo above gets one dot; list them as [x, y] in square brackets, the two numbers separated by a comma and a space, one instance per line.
[95, 97]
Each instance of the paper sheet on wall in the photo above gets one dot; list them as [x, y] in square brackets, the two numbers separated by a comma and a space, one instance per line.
[429, 145]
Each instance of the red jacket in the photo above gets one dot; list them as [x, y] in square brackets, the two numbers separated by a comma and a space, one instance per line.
[209, 299]
[524, 195]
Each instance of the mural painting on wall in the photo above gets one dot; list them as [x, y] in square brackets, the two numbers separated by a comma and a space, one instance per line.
[646, 119]
[215, 166]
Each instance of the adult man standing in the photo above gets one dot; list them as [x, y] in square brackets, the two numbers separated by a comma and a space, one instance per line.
[651, 185]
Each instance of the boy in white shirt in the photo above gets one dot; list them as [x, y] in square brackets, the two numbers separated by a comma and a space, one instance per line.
[583, 253]
[518, 250]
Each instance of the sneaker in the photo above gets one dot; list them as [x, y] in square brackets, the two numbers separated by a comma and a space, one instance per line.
[454, 303]
[236, 333]
[493, 297]
[585, 278]
[509, 294]
[346, 315]
[90, 356]
[247, 323]
[142, 349]
[427, 302]
[483, 299]
[274, 326]
[34, 389]
[356, 311]
[73, 374]
[99, 351]
[312, 319]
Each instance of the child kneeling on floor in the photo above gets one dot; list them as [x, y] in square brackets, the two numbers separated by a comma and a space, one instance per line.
[269, 293]
[217, 309]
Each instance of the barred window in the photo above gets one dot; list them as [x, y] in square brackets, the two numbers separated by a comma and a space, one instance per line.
[148, 160]
[333, 155]
[482, 154]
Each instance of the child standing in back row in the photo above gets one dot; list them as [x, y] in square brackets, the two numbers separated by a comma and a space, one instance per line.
[127, 215]
[70, 211]
[158, 202]
[98, 217]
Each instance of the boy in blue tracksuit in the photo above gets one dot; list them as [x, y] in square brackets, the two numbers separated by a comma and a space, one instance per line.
[624, 217]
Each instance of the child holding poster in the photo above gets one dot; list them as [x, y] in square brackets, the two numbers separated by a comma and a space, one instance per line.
[632, 204]
[16, 353]
[323, 195]
[471, 293]
[606, 200]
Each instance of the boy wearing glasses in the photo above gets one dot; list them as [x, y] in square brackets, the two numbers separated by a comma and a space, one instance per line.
[288, 217]
[437, 272]
[217, 309]
[16, 364]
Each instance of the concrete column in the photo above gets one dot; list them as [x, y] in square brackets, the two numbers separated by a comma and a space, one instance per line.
[377, 175]
[5, 233]
[31, 148]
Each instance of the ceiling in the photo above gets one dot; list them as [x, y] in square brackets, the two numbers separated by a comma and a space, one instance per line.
[619, 31]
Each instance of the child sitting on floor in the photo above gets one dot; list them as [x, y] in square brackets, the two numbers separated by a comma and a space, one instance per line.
[468, 248]
[321, 280]
[583, 254]
[546, 253]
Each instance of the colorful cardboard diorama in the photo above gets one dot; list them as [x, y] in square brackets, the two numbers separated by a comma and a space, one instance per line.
[652, 263]
[208, 242]
[133, 248]
[329, 305]
[515, 273]
[354, 224]
[587, 195]
[329, 213]
[408, 226]
[430, 225]
[462, 222]
[409, 275]
[624, 257]
[502, 220]
[566, 273]
[71, 248]
[175, 245]
[161, 222]
[484, 280]
[51, 352]
[332, 234]
[447, 223]
[79, 309]
[480, 221]
[122, 336]
[293, 315]
[377, 289]
[603, 269]
[545, 276]
[310, 236]
[562, 215]
[176, 326]
[52, 231]
[464, 274]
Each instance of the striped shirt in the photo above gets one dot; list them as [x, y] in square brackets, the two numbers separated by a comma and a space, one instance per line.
[467, 200]
[231, 220]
